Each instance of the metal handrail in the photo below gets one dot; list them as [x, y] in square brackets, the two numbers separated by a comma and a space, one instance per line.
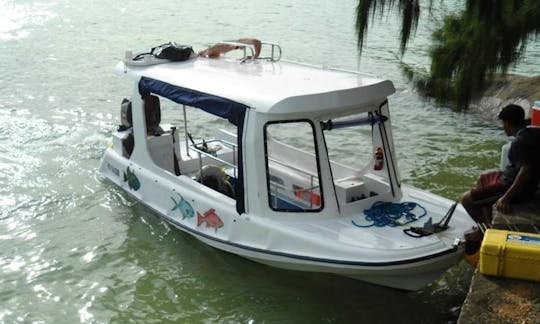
[280, 186]
[279, 189]
[311, 179]
[272, 52]
[233, 146]
[294, 168]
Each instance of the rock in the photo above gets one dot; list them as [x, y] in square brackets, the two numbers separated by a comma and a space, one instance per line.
[507, 89]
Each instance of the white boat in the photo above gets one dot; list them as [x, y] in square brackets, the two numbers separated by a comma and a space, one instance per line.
[277, 187]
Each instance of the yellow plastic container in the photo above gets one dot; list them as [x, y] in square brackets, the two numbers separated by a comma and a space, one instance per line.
[510, 254]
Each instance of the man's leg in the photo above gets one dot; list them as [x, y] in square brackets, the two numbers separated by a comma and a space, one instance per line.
[476, 212]
[487, 215]
[479, 200]
[480, 213]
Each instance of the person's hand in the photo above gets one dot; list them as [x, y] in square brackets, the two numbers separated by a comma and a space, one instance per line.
[503, 204]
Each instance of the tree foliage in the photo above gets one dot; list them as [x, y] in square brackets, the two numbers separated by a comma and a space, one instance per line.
[468, 49]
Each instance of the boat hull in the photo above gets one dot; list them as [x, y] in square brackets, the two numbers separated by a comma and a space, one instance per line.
[407, 274]
[404, 274]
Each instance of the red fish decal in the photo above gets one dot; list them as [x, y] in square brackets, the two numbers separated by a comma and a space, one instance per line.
[210, 218]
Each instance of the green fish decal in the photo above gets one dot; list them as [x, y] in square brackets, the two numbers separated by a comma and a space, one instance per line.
[184, 207]
[132, 180]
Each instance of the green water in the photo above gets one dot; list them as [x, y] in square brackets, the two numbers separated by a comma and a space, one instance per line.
[74, 248]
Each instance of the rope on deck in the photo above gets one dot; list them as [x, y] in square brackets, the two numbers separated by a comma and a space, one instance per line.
[390, 214]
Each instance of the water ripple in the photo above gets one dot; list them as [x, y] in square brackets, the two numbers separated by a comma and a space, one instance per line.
[14, 18]
[75, 248]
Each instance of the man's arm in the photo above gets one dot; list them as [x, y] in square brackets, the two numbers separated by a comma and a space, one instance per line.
[216, 50]
[503, 204]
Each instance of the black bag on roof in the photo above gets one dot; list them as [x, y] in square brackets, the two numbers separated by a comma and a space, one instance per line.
[172, 51]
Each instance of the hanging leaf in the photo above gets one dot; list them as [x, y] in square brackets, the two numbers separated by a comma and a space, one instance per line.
[485, 38]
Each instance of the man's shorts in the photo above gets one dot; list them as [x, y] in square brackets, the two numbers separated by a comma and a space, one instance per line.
[489, 188]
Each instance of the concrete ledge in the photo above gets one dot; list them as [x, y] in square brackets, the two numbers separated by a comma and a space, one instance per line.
[524, 217]
[503, 300]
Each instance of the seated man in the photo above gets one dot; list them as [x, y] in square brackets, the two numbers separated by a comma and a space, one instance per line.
[518, 181]
[216, 50]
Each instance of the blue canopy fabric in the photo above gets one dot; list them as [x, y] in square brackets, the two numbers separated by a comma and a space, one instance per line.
[233, 111]
[218, 106]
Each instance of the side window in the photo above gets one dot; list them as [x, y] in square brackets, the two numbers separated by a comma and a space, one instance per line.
[291, 166]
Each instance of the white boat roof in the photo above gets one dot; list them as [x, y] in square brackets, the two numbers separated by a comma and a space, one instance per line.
[281, 87]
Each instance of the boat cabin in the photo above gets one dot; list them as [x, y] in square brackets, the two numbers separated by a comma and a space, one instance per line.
[294, 127]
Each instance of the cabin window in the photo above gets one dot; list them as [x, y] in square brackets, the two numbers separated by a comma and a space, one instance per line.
[357, 157]
[292, 168]
[349, 144]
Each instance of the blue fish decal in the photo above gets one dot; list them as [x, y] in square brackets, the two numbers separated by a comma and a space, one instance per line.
[183, 206]
[132, 180]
